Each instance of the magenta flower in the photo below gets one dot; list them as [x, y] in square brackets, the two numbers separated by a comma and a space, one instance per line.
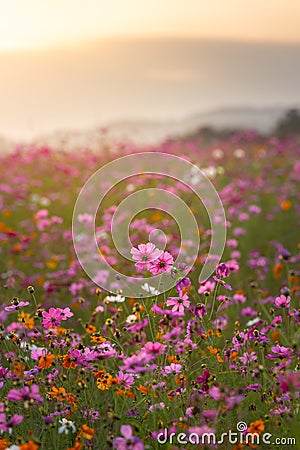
[155, 348]
[290, 382]
[248, 357]
[125, 378]
[178, 303]
[162, 264]
[206, 287]
[37, 353]
[184, 283]
[128, 441]
[282, 301]
[138, 363]
[200, 310]
[280, 352]
[52, 318]
[145, 254]
[66, 313]
[6, 425]
[26, 393]
[158, 310]
[254, 387]
[91, 414]
[222, 271]
[222, 283]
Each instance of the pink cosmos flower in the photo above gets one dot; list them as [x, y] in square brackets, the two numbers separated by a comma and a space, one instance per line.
[16, 304]
[128, 441]
[215, 393]
[125, 378]
[282, 301]
[66, 313]
[37, 353]
[6, 425]
[246, 358]
[26, 393]
[172, 369]
[145, 254]
[290, 382]
[200, 310]
[52, 318]
[179, 303]
[162, 264]
[155, 348]
[280, 351]
[222, 271]
[206, 287]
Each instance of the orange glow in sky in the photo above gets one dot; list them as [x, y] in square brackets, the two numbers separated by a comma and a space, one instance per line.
[26, 24]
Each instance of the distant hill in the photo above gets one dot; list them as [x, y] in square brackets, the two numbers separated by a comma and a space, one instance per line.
[152, 132]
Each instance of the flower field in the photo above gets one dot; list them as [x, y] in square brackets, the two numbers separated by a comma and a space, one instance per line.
[86, 367]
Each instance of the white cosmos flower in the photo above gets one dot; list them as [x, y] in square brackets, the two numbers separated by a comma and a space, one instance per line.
[131, 319]
[115, 298]
[217, 153]
[66, 426]
[146, 287]
[210, 171]
[239, 153]
[252, 322]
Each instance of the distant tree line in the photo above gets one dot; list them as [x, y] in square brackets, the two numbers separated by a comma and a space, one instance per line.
[289, 124]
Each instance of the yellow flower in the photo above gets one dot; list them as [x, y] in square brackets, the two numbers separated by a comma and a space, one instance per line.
[26, 320]
[104, 380]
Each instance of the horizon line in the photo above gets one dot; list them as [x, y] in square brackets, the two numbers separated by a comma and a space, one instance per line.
[80, 43]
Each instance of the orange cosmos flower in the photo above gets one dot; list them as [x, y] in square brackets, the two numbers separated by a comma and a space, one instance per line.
[77, 446]
[215, 351]
[87, 432]
[278, 270]
[275, 335]
[30, 445]
[180, 379]
[4, 443]
[90, 328]
[104, 380]
[256, 427]
[46, 361]
[212, 350]
[286, 205]
[173, 359]
[68, 362]
[18, 368]
[233, 356]
[97, 338]
[59, 394]
[26, 320]
[143, 390]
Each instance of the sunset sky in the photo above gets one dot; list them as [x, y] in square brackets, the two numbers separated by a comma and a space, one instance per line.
[81, 62]
[36, 23]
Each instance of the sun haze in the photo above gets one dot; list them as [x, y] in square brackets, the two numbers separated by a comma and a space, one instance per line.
[27, 24]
